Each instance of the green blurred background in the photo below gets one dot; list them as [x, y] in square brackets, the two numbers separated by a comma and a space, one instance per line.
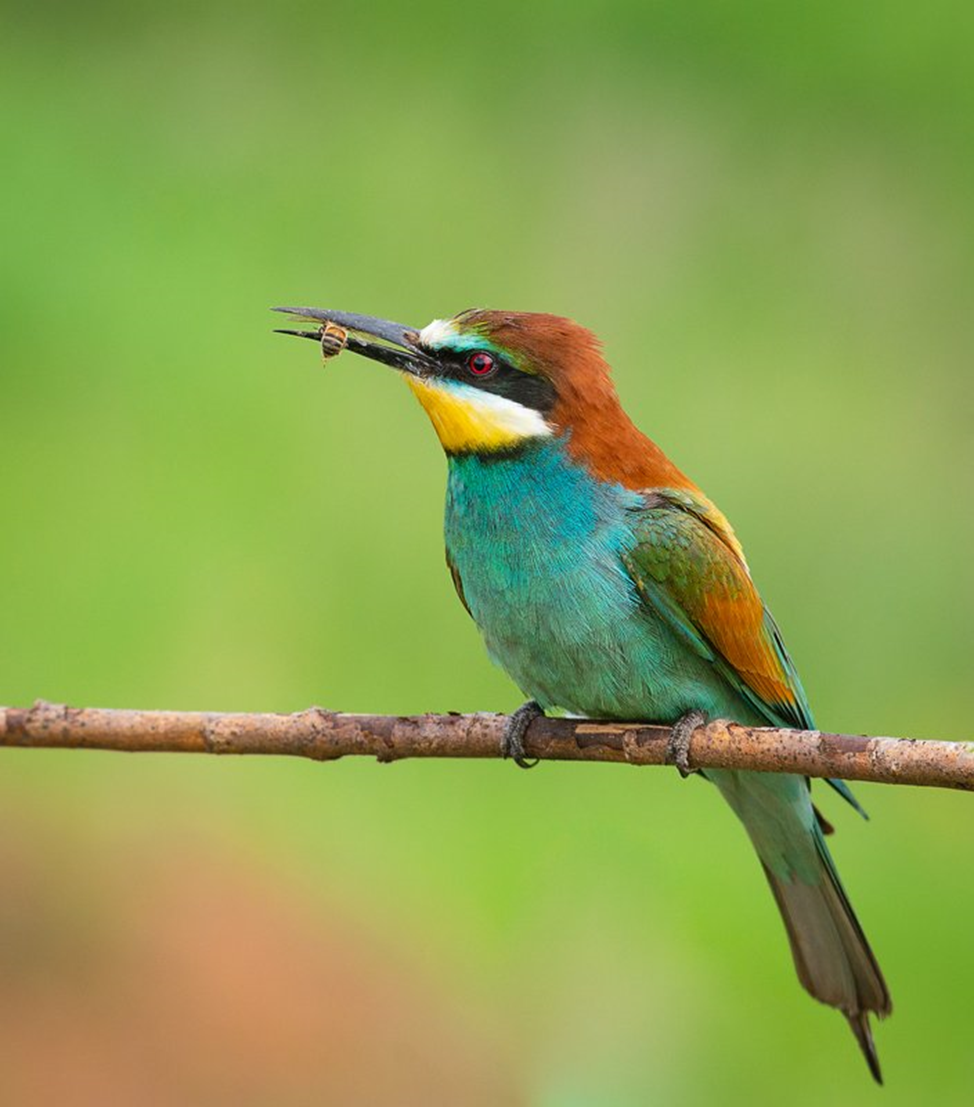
[764, 210]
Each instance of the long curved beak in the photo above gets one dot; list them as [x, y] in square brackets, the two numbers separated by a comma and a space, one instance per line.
[399, 343]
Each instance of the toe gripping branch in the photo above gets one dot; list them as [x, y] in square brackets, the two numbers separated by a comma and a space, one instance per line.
[678, 747]
[512, 744]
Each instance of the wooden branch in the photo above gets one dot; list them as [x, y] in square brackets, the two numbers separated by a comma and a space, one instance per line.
[327, 735]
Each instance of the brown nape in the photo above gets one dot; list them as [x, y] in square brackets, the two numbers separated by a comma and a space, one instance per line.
[602, 435]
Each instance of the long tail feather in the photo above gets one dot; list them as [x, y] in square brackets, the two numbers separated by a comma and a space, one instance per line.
[831, 953]
[832, 956]
[864, 1036]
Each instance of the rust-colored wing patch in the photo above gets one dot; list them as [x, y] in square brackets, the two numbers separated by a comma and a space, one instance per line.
[688, 566]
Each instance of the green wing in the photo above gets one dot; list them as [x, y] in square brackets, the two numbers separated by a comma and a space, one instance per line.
[688, 566]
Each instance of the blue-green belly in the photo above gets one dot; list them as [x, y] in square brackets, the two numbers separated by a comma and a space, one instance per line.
[538, 544]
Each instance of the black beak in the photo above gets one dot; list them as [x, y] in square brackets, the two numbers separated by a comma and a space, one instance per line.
[398, 348]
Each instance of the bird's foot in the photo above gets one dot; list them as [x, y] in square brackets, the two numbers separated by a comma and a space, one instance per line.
[678, 747]
[512, 744]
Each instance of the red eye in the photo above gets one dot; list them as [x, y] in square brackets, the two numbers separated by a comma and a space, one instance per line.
[480, 364]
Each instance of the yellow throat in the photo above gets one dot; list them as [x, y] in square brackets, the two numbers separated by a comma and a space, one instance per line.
[471, 420]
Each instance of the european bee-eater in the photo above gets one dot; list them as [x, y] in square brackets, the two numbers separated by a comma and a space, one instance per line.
[608, 586]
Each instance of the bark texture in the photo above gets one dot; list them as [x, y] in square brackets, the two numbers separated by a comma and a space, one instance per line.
[328, 735]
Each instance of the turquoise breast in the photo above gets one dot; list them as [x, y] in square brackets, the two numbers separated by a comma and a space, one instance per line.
[536, 542]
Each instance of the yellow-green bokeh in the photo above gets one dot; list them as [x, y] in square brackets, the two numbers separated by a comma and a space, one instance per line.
[764, 211]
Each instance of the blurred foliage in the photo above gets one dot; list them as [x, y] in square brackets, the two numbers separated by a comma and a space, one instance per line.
[764, 211]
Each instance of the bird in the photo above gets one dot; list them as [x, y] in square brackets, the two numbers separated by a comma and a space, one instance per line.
[608, 586]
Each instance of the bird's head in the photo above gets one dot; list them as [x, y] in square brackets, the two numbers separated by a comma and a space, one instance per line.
[490, 381]
[494, 382]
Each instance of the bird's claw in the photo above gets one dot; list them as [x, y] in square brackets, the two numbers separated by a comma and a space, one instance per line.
[678, 747]
[512, 744]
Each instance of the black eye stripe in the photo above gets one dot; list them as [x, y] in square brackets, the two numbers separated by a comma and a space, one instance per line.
[504, 379]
